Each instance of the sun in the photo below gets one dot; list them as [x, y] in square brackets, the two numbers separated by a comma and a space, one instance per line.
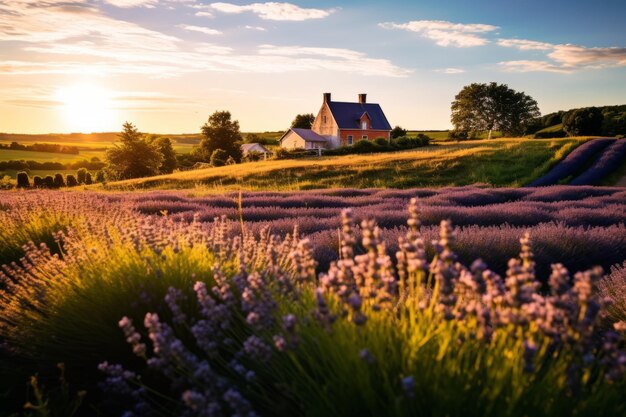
[86, 107]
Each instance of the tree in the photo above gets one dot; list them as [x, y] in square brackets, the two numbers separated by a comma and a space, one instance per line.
[219, 158]
[88, 179]
[58, 180]
[579, 122]
[80, 175]
[220, 132]
[303, 121]
[22, 180]
[169, 162]
[398, 132]
[71, 181]
[135, 157]
[489, 107]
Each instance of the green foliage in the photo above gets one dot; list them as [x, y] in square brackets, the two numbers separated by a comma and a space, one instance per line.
[488, 107]
[59, 181]
[58, 401]
[135, 157]
[554, 131]
[397, 132]
[100, 176]
[303, 121]
[381, 141]
[164, 145]
[6, 183]
[81, 174]
[22, 180]
[38, 181]
[586, 121]
[48, 181]
[219, 157]
[71, 181]
[88, 179]
[220, 132]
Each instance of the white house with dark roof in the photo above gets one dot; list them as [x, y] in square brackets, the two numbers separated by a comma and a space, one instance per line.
[340, 124]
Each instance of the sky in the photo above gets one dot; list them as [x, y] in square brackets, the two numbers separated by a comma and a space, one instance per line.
[166, 65]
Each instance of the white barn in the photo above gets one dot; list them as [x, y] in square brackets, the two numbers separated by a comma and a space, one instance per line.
[302, 139]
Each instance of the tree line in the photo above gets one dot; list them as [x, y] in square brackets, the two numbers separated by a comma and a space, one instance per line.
[41, 147]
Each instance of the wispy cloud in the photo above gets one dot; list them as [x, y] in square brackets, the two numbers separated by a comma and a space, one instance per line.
[532, 66]
[259, 28]
[564, 58]
[450, 70]
[525, 45]
[274, 11]
[201, 29]
[446, 33]
[204, 14]
[132, 3]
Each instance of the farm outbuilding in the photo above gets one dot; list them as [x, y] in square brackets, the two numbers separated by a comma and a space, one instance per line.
[246, 148]
[302, 139]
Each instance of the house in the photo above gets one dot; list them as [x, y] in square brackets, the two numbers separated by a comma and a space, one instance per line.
[246, 148]
[340, 124]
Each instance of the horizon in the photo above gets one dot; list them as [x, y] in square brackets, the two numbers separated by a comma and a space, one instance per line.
[86, 66]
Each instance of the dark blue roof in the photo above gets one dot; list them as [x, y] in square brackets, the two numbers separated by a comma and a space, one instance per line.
[348, 115]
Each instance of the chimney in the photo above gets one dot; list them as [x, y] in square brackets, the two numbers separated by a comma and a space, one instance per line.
[362, 98]
[326, 97]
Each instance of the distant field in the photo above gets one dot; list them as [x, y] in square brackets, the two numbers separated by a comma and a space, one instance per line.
[442, 135]
[500, 162]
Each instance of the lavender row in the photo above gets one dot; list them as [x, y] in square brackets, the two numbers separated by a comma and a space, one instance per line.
[608, 162]
[573, 163]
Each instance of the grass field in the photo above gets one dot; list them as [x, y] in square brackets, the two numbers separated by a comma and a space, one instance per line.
[501, 162]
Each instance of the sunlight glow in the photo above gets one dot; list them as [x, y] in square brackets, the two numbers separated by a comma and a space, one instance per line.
[86, 108]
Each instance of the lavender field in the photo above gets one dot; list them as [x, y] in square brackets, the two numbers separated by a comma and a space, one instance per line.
[170, 304]
[581, 226]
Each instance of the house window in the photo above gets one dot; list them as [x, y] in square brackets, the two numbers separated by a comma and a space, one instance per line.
[349, 139]
[364, 124]
[364, 137]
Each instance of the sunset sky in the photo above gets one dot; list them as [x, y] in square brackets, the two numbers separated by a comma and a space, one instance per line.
[83, 65]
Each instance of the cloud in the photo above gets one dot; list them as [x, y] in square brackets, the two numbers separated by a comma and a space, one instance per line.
[579, 56]
[525, 45]
[565, 58]
[446, 33]
[132, 3]
[259, 28]
[532, 66]
[204, 14]
[77, 39]
[274, 11]
[201, 29]
[450, 70]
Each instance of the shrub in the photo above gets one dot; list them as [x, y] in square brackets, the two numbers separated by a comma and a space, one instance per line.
[58, 181]
[364, 146]
[100, 176]
[48, 181]
[550, 134]
[458, 135]
[219, 157]
[71, 181]
[398, 132]
[613, 287]
[22, 180]
[382, 142]
[6, 183]
[38, 182]
[81, 175]
[88, 179]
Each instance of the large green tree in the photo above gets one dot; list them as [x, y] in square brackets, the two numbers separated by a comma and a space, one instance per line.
[493, 106]
[220, 132]
[134, 157]
[303, 121]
